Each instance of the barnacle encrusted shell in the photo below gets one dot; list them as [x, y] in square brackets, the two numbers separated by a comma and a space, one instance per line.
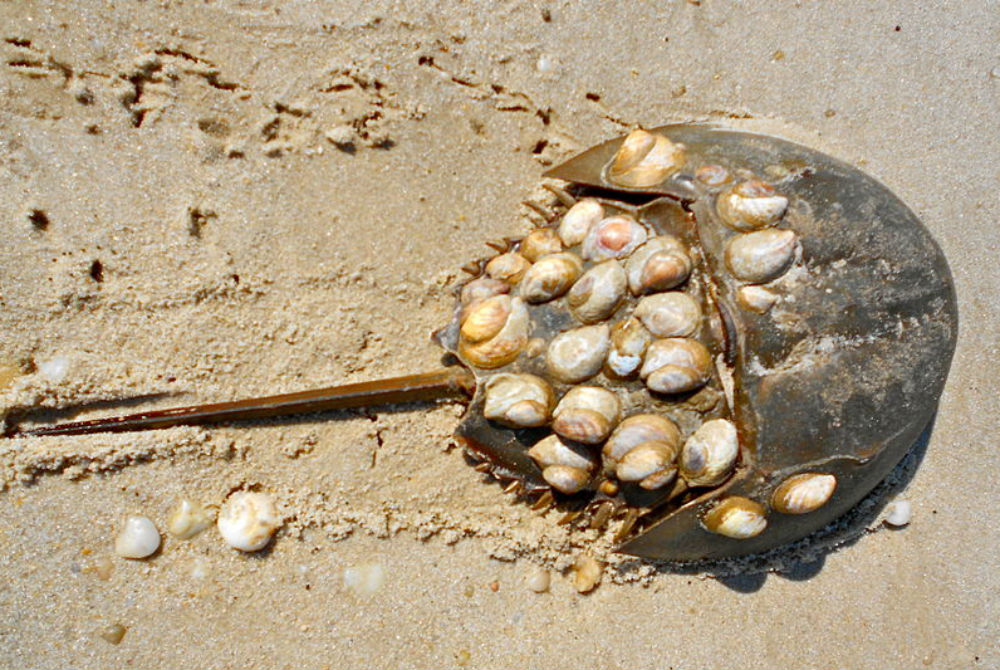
[673, 314]
[509, 339]
[550, 277]
[751, 205]
[598, 293]
[676, 365]
[736, 517]
[660, 264]
[520, 400]
[709, 455]
[613, 237]
[579, 220]
[587, 414]
[803, 493]
[645, 159]
[578, 354]
[761, 256]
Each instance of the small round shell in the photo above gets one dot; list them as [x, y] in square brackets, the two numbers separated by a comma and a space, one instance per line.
[540, 242]
[248, 520]
[566, 479]
[736, 517]
[518, 400]
[712, 175]
[710, 454]
[138, 538]
[658, 265]
[578, 220]
[613, 237]
[629, 341]
[598, 293]
[645, 159]
[803, 493]
[638, 429]
[506, 345]
[587, 414]
[756, 299]
[509, 267]
[750, 205]
[761, 256]
[650, 463]
[672, 314]
[553, 450]
[578, 354]
[550, 277]
[676, 365]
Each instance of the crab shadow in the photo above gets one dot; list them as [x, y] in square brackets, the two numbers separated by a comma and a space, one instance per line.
[804, 559]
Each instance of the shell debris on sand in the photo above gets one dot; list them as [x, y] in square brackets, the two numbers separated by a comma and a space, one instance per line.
[898, 513]
[138, 538]
[587, 572]
[188, 518]
[538, 579]
[365, 579]
[248, 520]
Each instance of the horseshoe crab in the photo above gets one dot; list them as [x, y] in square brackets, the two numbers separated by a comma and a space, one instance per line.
[722, 338]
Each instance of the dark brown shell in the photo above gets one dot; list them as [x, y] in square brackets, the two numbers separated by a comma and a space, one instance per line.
[840, 376]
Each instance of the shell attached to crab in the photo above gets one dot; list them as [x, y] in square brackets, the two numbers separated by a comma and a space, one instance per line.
[726, 340]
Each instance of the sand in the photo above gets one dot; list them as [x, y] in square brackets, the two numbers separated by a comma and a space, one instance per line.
[204, 201]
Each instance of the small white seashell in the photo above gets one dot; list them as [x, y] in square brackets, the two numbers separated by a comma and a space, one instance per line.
[676, 365]
[520, 400]
[761, 256]
[247, 520]
[587, 572]
[658, 265]
[578, 354]
[587, 414]
[578, 220]
[550, 277]
[598, 293]
[645, 159]
[671, 314]
[365, 579]
[55, 369]
[629, 341]
[709, 455]
[538, 579]
[613, 237]
[736, 517]
[552, 450]
[750, 205]
[138, 538]
[803, 493]
[188, 518]
[898, 513]
[756, 299]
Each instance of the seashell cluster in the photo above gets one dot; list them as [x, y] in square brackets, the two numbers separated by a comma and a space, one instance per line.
[645, 159]
[566, 467]
[643, 449]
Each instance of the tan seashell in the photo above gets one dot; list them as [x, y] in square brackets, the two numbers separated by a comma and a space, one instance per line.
[519, 400]
[587, 414]
[550, 277]
[578, 354]
[672, 314]
[761, 256]
[482, 288]
[709, 455]
[485, 318]
[566, 479]
[712, 175]
[553, 450]
[646, 460]
[509, 267]
[676, 365]
[638, 429]
[540, 242]
[803, 493]
[578, 220]
[736, 517]
[506, 345]
[750, 205]
[645, 159]
[613, 237]
[756, 299]
[598, 293]
[658, 265]
[629, 341]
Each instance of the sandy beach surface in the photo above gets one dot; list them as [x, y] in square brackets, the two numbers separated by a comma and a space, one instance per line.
[209, 200]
